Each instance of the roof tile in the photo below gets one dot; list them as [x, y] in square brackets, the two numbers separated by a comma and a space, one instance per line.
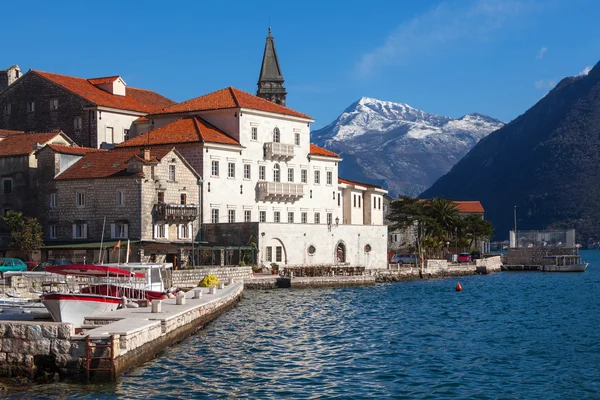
[469, 207]
[22, 144]
[74, 150]
[349, 182]
[319, 151]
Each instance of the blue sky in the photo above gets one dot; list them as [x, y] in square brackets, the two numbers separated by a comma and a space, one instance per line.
[447, 57]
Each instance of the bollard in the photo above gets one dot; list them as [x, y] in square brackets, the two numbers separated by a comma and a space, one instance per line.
[221, 285]
[180, 299]
[156, 306]
[212, 290]
[124, 301]
[197, 293]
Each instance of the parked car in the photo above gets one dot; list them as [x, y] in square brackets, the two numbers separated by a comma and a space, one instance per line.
[475, 255]
[31, 265]
[50, 262]
[11, 265]
[464, 258]
[404, 258]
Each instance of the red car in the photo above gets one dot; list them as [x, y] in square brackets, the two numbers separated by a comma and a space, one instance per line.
[464, 258]
[31, 265]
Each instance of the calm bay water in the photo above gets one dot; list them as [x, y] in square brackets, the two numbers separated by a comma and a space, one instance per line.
[523, 335]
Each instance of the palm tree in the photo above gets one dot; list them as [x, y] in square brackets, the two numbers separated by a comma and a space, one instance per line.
[445, 213]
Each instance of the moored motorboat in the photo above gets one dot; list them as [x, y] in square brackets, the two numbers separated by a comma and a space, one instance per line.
[564, 263]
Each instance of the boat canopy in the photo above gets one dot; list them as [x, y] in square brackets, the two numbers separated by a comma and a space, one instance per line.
[93, 270]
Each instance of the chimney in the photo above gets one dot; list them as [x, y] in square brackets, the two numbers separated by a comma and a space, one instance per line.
[146, 154]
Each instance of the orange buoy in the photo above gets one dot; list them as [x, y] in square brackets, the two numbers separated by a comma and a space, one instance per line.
[458, 287]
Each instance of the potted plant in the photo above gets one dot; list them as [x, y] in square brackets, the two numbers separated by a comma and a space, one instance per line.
[274, 268]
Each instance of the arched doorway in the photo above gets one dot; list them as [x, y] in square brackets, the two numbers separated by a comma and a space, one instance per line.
[340, 253]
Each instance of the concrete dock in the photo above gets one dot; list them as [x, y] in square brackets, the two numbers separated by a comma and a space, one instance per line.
[112, 343]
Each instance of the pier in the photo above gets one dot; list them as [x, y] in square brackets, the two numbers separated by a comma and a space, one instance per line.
[111, 344]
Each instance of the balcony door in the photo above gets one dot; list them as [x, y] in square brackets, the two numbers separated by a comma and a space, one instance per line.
[276, 173]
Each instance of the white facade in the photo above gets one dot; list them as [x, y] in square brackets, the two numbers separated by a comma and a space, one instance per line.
[114, 125]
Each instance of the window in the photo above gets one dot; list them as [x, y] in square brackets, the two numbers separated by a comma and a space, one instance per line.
[291, 217]
[311, 250]
[161, 197]
[30, 106]
[172, 173]
[77, 123]
[354, 198]
[303, 176]
[110, 134]
[329, 218]
[214, 216]
[7, 186]
[254, 133]
[231, 170]
[185, 231]
[379, 203]
[276, 173]
[247, 215]
[53, 232]
[277, 216]
[7, 109]
[276, 135]
[125, 134]
[52, 200]
[247, 171]
[262, 173]
[359, 200]
[161, 231]
[317, 218]
[290, 174]
[53, 104]
[120, 198]
[297, 139]
[304, 217]
[317, 177]
[183, 199]
[79, 231]
[231, 216]
[339, 199]
[80, 199]
[269, 253]
[329, 177]
[375, 202]
[214, 168]
[263, 216]
[118, 231]
[278, 253]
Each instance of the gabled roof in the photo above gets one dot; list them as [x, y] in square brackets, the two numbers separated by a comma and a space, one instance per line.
[73, 150]
[349, 182]
[108, 164]
[6, 132]
[230, 98]
[22, 144]
[319, 151]
[103, 80]
[135, 99]
[184, 130]
[469, 207]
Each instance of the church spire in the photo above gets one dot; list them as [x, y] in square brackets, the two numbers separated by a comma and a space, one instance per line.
[270, 81]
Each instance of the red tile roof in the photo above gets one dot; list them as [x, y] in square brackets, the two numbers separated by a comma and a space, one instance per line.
[319, 151]
[469, 207]
[230, 98]
[6, 132]
[108, 164]
[135, 100]
[349, 182]
[103, 80]
[184, 130]
[74, 150]
[22, 144]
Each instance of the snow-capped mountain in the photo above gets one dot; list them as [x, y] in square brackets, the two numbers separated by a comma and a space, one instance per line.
[404, 149]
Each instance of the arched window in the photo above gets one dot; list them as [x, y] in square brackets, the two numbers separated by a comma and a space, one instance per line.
[276, 135]
[276, 173]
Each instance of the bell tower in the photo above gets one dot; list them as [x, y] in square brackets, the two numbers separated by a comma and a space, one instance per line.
[270, 81]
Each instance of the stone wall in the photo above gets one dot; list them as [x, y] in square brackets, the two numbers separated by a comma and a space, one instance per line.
[189, 278]
[535, 255]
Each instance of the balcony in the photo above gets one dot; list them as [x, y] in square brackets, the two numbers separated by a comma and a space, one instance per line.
[280, 191]
[279, 151]
[175, 212]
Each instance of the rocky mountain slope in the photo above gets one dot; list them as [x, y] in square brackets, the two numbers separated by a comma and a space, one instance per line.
[400, 147]
[546, 162]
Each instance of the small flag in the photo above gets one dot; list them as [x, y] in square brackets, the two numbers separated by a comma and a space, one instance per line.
[117, 246]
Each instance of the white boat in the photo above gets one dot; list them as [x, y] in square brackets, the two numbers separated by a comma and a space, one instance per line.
[564, 263]
[104, 290]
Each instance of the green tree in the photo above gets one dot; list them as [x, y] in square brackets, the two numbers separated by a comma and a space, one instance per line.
[476, 229]
[445, 214]
[25, 232]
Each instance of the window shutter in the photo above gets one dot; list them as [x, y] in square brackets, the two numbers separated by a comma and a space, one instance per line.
[74, 231]
[190, 233]
[166, 231]
[179, 231]
[112, 231]
[154, 231]
[126, 226]
[85, 231]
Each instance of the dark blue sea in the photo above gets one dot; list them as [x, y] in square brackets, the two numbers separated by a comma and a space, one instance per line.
[517, 335]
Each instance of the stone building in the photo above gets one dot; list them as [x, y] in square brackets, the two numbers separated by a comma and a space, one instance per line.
[90, 111]
[149, 197]
[18, 173]
[9, 76]
[270, 80]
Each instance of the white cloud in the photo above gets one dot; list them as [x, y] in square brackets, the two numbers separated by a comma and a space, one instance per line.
[442, 26]
[545, 84]
[585, 71]
[541, 53]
